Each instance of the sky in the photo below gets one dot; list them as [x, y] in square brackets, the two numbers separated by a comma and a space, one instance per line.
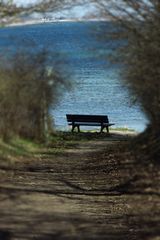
[87, 10]
[75, 12]
[24, 3]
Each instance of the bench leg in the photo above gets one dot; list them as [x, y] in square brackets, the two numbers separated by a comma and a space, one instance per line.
[74, 126]
[107, 128]
[102, 129]
[78, 127]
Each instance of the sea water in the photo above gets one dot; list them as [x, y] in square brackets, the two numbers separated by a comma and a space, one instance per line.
[97, 84]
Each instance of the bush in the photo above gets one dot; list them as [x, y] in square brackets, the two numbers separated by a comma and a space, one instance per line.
[29, 87]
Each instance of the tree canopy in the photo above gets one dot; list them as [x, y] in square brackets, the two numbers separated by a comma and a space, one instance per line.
[139, 23]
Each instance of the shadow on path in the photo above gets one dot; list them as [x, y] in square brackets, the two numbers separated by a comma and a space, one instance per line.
[94, 191]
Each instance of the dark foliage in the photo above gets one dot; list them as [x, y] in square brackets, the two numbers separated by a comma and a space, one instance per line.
[139, 23]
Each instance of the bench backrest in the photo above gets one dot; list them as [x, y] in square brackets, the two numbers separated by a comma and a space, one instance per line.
[87, 118]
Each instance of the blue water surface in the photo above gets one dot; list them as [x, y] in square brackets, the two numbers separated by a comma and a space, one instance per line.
[97, 87]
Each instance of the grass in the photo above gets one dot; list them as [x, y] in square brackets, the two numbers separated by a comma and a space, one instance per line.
[56, 144]
[123, 129]
[66, 138]
[17, 147]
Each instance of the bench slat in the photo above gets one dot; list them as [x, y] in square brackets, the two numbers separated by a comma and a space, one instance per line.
[91, 124]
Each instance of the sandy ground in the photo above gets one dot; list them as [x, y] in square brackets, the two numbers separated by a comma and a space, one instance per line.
[96, 190]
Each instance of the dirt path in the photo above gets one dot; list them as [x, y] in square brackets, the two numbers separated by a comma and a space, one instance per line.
[84, 193]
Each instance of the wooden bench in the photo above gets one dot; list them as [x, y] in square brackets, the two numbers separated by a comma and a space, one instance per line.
[88, 120]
